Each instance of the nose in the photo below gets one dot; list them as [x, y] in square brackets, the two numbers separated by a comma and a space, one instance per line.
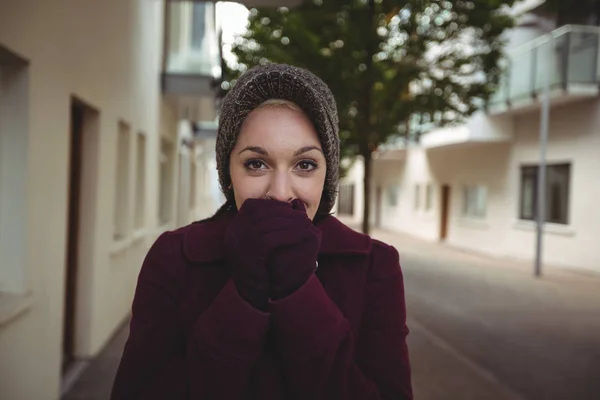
[280, 187]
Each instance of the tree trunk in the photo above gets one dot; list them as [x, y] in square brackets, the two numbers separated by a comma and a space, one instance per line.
[368, 162]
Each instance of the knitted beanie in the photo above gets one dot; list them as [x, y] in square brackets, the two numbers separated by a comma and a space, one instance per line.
[285, 82]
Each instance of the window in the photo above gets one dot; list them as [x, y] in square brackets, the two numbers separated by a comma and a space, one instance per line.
[140, 184]
[556, 193]
[122, 178]
[14, 132]
[393, 195]
[165, 194]
[474, 201]
[346, 200]
[193, 177]
[428, 197]
[417, 197]
[198, 24]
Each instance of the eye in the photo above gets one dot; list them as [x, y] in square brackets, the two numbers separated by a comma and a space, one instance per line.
[254, 165]
[307, 165]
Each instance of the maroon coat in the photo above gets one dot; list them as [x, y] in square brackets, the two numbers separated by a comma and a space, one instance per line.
[340, 336]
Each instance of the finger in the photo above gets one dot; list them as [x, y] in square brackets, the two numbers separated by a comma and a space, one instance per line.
[299, 205]
[252, 207]
[282, 211]
[287, 238]
[280, 225]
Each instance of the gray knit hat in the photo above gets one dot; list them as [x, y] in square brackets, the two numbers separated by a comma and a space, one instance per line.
[285, 82]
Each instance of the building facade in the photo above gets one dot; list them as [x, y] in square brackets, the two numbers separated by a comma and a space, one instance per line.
[98, 156]
[475, 186]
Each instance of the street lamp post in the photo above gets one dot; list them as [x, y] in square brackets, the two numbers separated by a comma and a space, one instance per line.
[541, 189]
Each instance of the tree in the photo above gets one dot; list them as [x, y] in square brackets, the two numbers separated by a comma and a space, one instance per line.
[386, 61]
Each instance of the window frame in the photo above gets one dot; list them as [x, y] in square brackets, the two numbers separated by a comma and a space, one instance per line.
[14, 157]
[124, 192]
[417, 197]
[166, 182]
[471, 192]
[141, 180]
[533, 171]
[429, 196]
[393, 192]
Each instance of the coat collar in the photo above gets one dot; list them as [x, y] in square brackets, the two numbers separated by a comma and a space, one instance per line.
[204, 242]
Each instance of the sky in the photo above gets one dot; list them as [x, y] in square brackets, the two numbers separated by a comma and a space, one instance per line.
[232, 17]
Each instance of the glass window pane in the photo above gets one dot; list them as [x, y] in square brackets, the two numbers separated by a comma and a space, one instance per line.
[465, 202]
[122, 182]
[429, 197]
[557, 193]
[528, 192]
[474, 201]
[393, 196]
[198, 25]
[480, 201]
[417, 197]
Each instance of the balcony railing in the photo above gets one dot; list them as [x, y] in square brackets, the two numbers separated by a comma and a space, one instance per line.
[193, 46]
[192, 62]
[567, 56]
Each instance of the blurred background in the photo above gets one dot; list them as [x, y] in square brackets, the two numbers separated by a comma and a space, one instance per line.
[471, 140]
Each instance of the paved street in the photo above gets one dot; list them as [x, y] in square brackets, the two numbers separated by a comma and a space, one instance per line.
[479, 321]
[480, 329]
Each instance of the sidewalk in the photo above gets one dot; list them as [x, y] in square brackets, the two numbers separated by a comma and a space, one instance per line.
[96, 381]
[561, 277]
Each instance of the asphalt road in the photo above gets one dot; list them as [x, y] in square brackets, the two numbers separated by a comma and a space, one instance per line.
[486, 329]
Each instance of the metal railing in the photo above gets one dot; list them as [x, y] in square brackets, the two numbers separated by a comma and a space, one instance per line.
[572, 59]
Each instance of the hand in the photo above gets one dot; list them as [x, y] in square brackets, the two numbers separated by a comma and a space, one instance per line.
[250, 239]
[294, 260]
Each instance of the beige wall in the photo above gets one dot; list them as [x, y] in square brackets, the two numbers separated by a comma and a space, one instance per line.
[355, 176]
[208, 193]
[108, 54]
[574, 137]
[406, 175]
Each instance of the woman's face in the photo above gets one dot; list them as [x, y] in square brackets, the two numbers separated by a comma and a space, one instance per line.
[278, 155]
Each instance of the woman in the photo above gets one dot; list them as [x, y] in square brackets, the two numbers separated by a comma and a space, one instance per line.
[272, 298]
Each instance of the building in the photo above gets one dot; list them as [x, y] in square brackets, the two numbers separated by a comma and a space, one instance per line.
[474, 186]
[107, 110]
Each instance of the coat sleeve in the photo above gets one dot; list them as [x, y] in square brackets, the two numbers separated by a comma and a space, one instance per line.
[320, 357]
[160, 362]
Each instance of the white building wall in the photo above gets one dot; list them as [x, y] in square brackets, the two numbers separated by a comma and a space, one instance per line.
[107, 54]
[406, 175]
[481, 164]
[208, 191]
[489, 151]
[574, 137]
[356, 176]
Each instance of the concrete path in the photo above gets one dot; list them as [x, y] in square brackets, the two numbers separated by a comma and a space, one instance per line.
[481, 328]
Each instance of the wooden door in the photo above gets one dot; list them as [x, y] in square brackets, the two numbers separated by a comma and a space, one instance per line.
[445, 212]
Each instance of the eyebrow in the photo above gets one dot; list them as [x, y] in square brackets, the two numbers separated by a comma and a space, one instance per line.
[306, 149]
[255, 149]
[263, 152]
